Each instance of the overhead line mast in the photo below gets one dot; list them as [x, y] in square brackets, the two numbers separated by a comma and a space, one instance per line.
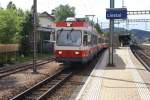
[34, 35]
[111, 30]
[123, 6]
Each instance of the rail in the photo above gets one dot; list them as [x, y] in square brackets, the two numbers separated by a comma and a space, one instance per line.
[11, 70]
[142, 57]
[43, 89]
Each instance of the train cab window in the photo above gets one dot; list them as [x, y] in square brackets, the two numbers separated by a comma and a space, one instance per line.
[89, 39]
[52, 36]
[85, 39]
[69, 37]
[92, 41]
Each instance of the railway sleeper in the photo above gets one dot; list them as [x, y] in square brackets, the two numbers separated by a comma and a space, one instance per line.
[37, 92]
[43, 89]
[30, 98]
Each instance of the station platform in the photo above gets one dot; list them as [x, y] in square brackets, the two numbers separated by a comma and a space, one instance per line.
[146, 44]
[127, 80]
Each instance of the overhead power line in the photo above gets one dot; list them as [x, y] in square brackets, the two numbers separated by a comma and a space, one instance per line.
[132, 20]
[140, 12]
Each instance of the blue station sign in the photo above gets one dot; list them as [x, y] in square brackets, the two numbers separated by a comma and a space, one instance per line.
[116, 13]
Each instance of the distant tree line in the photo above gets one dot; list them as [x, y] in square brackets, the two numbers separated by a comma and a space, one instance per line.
[15, 26]
[62, 12]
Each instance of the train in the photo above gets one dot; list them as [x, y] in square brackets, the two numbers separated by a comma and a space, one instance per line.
[77, 41]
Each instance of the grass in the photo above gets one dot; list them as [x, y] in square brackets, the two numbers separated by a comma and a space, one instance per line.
[13, 58]
[30, 57]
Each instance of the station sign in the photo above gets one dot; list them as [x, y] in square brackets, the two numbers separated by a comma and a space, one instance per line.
[116, 13]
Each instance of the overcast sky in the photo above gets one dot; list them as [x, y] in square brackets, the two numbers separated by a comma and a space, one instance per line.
[84, 7]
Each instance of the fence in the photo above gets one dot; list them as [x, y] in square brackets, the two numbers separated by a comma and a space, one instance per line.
[14, 53]
[9, 48]
[8, 53]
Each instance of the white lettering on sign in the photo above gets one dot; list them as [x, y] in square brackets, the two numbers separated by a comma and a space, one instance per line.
[114, 15]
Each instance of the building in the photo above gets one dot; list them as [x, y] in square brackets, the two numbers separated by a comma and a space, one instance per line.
[46, 20]
[46, 34]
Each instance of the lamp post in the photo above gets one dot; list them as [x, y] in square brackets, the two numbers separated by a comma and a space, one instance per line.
[34, 35]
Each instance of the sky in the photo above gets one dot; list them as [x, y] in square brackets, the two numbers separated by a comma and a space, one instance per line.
[86, 7]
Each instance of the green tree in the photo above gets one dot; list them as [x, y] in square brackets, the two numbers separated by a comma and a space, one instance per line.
[97, 26]
[26, 30]
[9, 26]
[0, 6]
[106, 34]
[11, 5]
[62, 12]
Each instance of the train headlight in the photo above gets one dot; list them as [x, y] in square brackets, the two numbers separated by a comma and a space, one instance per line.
[59, 52]
[76, 52]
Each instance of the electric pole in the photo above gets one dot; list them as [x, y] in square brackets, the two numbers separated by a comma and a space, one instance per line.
[123, 6]
[34, 35]
[97, 21]
[0, 6]
[92, 19]
[111, 31]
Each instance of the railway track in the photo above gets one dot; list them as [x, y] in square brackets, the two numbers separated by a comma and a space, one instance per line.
[71, 88]
[142, 56]
[43, 89]
[48, 87]
[11, 70]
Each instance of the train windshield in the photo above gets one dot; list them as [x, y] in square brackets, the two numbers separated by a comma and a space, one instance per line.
[69, 37]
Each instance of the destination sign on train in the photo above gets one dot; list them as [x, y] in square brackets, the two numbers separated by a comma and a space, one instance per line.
[116, 13]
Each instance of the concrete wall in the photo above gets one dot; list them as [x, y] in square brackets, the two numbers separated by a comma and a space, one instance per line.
[45, 22]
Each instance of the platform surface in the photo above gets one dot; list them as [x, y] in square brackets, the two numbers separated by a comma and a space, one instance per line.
[146, 44]
[122, 82]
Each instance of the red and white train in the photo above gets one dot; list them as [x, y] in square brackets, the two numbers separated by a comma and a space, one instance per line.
[76, 41]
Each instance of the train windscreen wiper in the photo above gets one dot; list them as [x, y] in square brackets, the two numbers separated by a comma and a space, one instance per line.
[69, 33]
[61, 30]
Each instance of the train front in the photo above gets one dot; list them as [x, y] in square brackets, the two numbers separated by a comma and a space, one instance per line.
[68, 46]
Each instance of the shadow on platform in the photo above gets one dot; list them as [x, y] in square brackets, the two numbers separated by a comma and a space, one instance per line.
[119, 64]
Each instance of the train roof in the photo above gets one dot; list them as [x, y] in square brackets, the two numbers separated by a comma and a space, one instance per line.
[75, 24]
[78, 23]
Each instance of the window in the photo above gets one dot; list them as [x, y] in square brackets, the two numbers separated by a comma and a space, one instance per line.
[52, 36]
[69, 37]
[85, 39]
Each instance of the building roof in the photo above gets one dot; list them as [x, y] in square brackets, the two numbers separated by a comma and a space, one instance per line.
[46, 14]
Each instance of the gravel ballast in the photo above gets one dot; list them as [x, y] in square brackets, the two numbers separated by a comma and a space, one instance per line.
[18, 82]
